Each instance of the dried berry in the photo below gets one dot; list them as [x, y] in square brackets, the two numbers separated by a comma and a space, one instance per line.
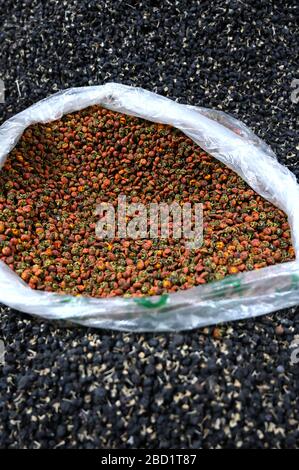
[54, 179]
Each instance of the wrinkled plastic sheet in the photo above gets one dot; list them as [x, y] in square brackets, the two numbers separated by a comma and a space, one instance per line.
[236, 297]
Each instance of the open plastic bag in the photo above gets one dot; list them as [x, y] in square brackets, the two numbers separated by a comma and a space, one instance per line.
[236, 297]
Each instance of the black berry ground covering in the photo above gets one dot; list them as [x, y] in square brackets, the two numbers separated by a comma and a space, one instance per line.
[226, 387]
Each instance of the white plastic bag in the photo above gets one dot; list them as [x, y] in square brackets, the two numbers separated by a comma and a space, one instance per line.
[236, 297]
